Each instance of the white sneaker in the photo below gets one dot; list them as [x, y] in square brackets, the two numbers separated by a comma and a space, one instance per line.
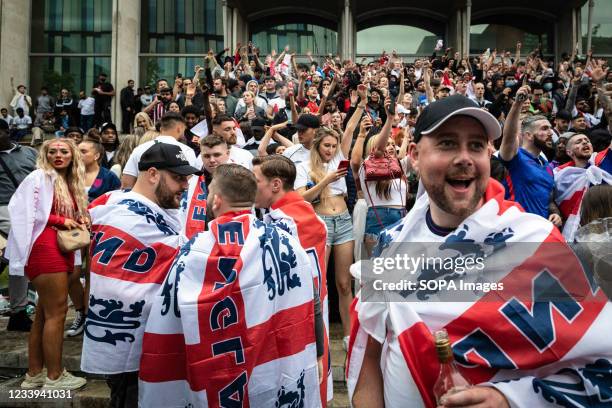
[77, 326]
[345, 343]
[65, 381]
[34, 381]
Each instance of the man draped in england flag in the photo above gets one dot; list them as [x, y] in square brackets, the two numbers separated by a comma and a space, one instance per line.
[136, 236]
[289, 211]
[573, 179]
[542, 341]
[214, 151]
[233, 324]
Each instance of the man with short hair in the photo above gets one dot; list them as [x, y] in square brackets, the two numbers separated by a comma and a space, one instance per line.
[275, 177]
[579, 124]
[238, 303]
[44, 102]
[561, 123]
[191, 114]
[103, 95]
[530, 178]
[4, 115]
[306, 126]
[498, 345]
[20, 125]
[221, 92]
[21, 99]
[18, 161]
[158, 108]
[171, 130]
[127, 107]
[479, 95]
[87, 110]
[574, 178]
[269, 88]
[225, 127]
[136, 236]
[214, 152]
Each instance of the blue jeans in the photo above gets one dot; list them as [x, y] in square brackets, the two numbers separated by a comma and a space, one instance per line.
[387, 215]
[339, 228]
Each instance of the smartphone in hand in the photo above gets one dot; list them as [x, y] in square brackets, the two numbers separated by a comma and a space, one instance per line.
[343, 165]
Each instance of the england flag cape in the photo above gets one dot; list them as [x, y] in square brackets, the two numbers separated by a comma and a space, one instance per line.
[537, 353]
[571, 184]
[233, 324]
[296, 216]
[193, 207]
[134, 244]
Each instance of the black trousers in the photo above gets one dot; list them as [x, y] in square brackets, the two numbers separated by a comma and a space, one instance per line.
[126, 121]
[124, 390]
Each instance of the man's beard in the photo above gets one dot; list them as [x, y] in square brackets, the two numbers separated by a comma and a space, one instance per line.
[436, 193]
[165, 197]
[541, 144]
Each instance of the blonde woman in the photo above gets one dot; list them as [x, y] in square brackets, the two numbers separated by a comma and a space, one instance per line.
[143, 121]
[248, 110]
[124, 151]
[321, 181]
[57, 200]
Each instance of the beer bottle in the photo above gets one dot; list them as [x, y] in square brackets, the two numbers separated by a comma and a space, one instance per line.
[449, 379]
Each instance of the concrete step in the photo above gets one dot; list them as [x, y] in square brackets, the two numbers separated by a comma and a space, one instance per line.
[14, 364]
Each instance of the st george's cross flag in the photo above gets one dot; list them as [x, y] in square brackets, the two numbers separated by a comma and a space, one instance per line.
[193, 207]
[543, 341]
[134, 244]
[296, 216]
[571, 184]
[233, 324]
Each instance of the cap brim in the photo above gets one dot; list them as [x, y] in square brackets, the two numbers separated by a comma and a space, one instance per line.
[185, 170]
[487, 120]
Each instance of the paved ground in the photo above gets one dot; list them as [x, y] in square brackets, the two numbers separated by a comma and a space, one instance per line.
[14, 362]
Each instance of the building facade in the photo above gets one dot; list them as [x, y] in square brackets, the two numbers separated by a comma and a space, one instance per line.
[67, 43]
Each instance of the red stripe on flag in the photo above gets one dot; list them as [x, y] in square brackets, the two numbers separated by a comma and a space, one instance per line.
[571, 205]
[170, 366]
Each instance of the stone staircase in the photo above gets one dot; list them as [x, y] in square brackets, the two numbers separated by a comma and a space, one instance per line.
[14, 363]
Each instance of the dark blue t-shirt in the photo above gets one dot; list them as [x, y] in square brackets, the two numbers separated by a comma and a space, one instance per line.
[105, 181]
[530, 181]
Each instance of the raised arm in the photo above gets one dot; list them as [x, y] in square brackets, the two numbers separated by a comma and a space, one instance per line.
[265, 141]
[357, 153]
[511, 134]
[380, 143]
[347, 137]
[517, 56]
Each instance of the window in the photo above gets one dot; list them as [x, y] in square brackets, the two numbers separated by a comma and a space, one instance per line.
[504, 38]
[404, 39]
[71, 43]
[181, 26]
[601, 38]
[185, 29]
[300, 37]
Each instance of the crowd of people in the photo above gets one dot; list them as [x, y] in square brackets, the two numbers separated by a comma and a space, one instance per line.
[223, 194]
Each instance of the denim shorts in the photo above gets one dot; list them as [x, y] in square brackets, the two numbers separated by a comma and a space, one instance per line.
[388, 216]
[339, 228]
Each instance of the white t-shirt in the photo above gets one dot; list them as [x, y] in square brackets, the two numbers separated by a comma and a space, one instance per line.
[87, 106]
[297, 154]
[241, 157]
[131, 167]
[302, 177]
[398, 189]
[22, 123]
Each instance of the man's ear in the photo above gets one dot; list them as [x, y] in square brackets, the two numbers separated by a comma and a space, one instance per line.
[413, 153]
[277, 185]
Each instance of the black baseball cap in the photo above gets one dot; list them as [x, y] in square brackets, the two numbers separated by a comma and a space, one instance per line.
[165, 156]
[74, 129]
[258, 123]
[436, 113]
[108, 125]
[306, 121]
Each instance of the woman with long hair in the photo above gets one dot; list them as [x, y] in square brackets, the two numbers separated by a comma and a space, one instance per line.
[56, 199]
[143, 121]
[386, 199]
[321, 181]
[249, 109]
[125, 150]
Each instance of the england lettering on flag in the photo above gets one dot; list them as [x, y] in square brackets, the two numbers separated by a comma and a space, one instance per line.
[543, 342]
[233, 324]
[134, 244]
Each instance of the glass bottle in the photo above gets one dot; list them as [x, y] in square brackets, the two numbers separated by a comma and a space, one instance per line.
[449, 379]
